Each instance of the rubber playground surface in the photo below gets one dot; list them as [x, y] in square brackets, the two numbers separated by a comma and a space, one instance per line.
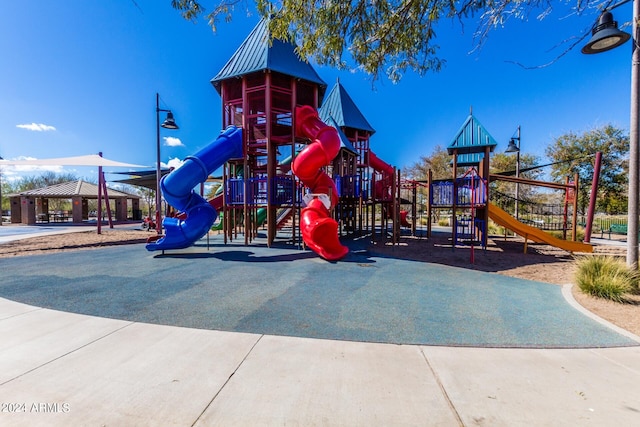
[291, 292]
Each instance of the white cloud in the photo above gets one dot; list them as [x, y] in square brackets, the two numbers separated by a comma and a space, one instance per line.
[37, 127]
[26, 169]
[171, 141]
[173, 163]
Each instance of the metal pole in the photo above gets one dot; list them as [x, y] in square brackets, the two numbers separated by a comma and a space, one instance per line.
[518, 176]
[632, 220]
[99, 210]
[158, 196]
[1, 193]
[592, 197]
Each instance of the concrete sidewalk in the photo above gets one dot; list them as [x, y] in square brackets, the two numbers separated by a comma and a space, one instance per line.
[64, 369]
[13, 232]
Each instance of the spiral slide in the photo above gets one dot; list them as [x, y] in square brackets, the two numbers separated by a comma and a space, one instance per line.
[177, 188]
[502, 218]
[319, 230]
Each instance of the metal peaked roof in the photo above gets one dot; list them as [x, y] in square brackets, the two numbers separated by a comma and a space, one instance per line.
[339, 106]
[472, 138]
[70, 189]
[470, 142]
[344, 141]
[256, 53]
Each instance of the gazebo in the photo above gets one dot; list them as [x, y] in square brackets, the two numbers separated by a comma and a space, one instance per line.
[32, 206]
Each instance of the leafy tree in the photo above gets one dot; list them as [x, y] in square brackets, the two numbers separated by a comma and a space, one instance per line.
[506, 163]
[378, 37]
[148, 197]
[575, 154]
[44, 180]
[439, 161]
[5, 188]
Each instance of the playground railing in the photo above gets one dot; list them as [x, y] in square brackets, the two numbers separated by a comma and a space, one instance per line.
[468, 190]
[348, 185]
[283, 188]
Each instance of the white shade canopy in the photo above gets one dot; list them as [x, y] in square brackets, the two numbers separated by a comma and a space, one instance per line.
[88, 160]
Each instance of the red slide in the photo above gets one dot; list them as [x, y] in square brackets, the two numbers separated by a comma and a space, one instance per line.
[383, 188]
[383, 185]
[319, 230]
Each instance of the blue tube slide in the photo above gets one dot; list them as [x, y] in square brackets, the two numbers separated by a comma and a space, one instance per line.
[177, 188]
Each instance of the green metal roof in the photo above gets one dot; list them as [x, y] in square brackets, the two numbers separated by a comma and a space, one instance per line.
[339, 106]
[344, 141]
[256, 53]
[470, 142]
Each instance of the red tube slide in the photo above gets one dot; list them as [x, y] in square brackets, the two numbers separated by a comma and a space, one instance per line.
[319, 230]
[379, 165]
[383, 190]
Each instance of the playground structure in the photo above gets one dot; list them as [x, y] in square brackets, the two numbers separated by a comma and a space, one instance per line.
[294, 159]
[468, 196]
[293, 164]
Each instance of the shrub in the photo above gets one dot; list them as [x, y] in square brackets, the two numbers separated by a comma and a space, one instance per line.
[559, 234]
[443, 222]
[605, 277]
[498, 230]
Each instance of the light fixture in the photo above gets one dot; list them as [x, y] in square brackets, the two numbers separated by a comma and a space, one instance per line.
[512, 147]
[169, 123]
[605, 35]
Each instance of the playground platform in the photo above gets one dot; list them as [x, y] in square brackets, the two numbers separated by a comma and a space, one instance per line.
[234, 335]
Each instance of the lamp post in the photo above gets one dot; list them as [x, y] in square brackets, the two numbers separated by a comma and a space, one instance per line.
[515, 148]
[169, 123]
[605, 36]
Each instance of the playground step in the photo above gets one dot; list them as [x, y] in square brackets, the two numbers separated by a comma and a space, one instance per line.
[285, 220]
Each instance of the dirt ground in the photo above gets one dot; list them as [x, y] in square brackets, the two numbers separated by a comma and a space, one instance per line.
[541, 263]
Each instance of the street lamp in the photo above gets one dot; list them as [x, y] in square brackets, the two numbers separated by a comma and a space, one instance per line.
[169, 123]
[605, 36]
[515, 148]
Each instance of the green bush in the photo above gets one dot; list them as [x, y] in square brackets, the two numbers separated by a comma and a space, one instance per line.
[443, 222]
[605, 277]
[558, 234]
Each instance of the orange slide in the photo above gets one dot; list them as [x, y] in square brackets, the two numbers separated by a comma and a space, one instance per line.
[319, 230]
[502, 218]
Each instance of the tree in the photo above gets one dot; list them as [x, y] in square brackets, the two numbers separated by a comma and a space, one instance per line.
[439, 161]
[148, 197]
[506, 162]
[575, 154]
[377, 37]
[46, 179]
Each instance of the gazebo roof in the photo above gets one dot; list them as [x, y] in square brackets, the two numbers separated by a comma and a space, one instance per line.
[339, 106]
[470, 142]
[258, 53]
[67, 190]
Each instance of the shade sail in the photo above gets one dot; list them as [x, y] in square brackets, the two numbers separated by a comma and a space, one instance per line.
[88, 160]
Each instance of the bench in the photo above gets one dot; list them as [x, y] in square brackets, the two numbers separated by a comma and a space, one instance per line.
[615, 229]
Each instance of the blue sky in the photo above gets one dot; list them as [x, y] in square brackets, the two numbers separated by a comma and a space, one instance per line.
[81, 77]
